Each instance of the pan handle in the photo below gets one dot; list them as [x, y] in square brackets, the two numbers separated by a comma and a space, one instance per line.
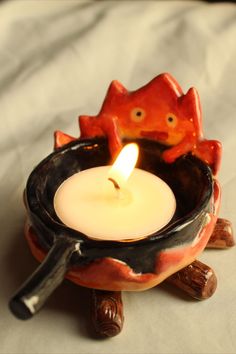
[48, 276]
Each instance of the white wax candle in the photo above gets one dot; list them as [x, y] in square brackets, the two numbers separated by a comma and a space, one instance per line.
[88, 202]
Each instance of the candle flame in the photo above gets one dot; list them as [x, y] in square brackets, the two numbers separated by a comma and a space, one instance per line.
[124, 164]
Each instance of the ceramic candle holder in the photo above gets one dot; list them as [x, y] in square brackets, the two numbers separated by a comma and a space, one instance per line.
[173, 149]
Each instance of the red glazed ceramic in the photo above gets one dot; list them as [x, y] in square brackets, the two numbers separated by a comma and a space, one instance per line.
[166, 124]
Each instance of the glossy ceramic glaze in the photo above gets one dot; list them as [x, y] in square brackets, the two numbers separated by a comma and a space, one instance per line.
[167, 126]
[158, 111]
[118, 265]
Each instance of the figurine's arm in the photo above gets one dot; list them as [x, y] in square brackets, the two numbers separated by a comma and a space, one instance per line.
[89, 127]
[186, 145]
[110, 129]
[209, 151]
[101, 126]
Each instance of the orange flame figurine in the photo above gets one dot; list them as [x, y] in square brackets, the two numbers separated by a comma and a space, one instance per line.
[162, 113]
[158, 111]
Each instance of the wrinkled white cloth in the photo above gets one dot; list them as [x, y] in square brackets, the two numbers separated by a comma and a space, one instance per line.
[57, 59]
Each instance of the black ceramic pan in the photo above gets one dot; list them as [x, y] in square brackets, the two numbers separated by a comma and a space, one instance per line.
[190, 180]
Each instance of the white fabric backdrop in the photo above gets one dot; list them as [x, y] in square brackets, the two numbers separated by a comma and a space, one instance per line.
[57, 59]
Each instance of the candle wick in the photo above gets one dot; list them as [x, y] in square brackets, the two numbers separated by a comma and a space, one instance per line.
[116, 185]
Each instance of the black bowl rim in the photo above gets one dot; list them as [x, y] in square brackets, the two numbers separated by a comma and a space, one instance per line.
[165, 232]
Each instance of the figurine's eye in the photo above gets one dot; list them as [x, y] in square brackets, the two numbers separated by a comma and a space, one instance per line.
[138, 114]
[171, 120]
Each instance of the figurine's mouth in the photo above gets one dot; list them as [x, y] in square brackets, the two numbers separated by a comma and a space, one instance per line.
[153, 134]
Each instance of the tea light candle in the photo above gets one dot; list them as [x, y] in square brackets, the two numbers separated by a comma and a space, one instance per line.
[104, 203]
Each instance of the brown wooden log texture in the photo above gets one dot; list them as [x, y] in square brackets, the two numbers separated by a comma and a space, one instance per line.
[197, 280]
[107, 313]
[222, 236]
